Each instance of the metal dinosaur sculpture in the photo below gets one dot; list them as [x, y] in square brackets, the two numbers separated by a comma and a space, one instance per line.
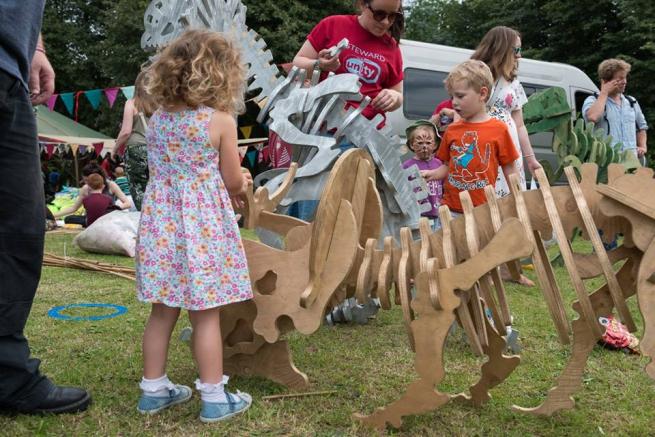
[311, 117]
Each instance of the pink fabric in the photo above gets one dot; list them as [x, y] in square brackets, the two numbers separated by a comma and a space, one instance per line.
[279, 151]
[52, 100]
[111, 94]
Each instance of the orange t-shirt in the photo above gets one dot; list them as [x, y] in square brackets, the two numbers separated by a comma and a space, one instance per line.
[474, 151]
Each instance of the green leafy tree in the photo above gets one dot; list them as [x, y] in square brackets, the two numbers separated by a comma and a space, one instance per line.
[97, 43]
[284, 24]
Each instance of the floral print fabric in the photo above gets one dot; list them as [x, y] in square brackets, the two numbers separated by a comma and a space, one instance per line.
[189, 250]
[506, 98]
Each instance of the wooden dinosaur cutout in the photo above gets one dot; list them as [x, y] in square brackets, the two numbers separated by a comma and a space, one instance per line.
[625, 205]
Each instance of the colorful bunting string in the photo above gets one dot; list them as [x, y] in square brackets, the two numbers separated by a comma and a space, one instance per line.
[71, 100]
[51, 148]
[254, 154]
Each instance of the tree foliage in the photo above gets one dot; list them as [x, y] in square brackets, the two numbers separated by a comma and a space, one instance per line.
[580, 33]
[97, 43]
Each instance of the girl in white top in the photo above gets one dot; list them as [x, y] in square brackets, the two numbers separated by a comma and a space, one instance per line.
[501, 49]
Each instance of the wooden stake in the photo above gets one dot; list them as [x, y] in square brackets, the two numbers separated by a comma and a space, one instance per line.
[298, 395]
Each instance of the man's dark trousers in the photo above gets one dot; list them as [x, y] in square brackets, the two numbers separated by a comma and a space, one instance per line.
[22, 223]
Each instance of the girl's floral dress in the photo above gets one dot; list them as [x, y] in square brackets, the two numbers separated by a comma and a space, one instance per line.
[506, 98]
[189, 250]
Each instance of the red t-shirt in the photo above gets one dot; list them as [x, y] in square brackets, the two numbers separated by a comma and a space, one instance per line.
[376, 60]
[96, 205]
[448, 103]
[473, 152]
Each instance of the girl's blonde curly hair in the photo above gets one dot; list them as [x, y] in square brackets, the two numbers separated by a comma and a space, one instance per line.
[199, 68]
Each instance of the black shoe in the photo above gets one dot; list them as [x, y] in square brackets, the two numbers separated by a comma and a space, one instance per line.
[62, 400]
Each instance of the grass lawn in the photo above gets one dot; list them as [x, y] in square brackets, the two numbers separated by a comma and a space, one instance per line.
[368, 365]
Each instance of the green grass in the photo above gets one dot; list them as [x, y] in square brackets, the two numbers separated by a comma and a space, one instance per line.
[368, 365]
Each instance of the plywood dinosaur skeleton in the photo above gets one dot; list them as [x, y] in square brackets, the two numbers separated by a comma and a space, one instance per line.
[454, 270]
[449, 275]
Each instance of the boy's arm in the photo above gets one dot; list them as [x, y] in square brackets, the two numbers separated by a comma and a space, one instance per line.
[509, 169]
[507, 154]
[436, 174]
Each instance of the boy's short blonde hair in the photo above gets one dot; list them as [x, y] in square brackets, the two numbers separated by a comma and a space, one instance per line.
[609, 67]
[119, 171]
[476, 74]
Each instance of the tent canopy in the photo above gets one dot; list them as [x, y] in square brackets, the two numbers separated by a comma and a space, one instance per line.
[57, 128]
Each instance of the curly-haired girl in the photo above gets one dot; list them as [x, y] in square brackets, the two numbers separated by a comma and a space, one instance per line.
[189, 252]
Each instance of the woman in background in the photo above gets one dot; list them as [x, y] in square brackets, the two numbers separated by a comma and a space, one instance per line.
[501, 50]
[132, 139]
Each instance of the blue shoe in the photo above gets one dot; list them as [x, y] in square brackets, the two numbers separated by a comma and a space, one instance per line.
[152, 404]
[216, 411]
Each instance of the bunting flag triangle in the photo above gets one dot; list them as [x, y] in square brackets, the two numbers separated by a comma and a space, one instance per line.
[128, 91]
[68, 99]
[252, 156]
[74, 148]
[246, 131]
[50, 149]
[98, 148]
[242, 151]
[111, 94]
[82, 150]
[93, 96]
[52, 100]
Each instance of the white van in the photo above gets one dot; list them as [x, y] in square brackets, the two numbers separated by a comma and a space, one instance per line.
[427, 65]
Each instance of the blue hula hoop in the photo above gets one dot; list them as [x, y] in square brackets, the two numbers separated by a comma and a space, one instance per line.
[55, 312]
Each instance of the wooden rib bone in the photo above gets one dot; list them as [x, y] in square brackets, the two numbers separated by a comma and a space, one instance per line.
[599, 249]
[542, 266]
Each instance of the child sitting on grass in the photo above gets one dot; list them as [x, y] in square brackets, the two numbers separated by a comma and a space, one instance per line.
[422, 140]
[124, 184]
[96, 203]
[121, 180]
[473, 147]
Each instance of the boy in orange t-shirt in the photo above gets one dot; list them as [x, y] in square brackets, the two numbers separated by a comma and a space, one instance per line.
[473, 147]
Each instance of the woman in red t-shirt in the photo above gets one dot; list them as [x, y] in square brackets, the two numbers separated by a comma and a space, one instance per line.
[372, 51]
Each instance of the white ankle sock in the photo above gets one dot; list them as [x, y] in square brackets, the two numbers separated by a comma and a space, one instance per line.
[212, 392]
[158, 387]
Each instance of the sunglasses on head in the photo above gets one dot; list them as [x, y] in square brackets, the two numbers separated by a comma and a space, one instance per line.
[518, 50]
[379, 15]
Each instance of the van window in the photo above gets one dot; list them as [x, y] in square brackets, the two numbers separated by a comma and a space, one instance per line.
[423, 90]
[532, 88]
[580, 97]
